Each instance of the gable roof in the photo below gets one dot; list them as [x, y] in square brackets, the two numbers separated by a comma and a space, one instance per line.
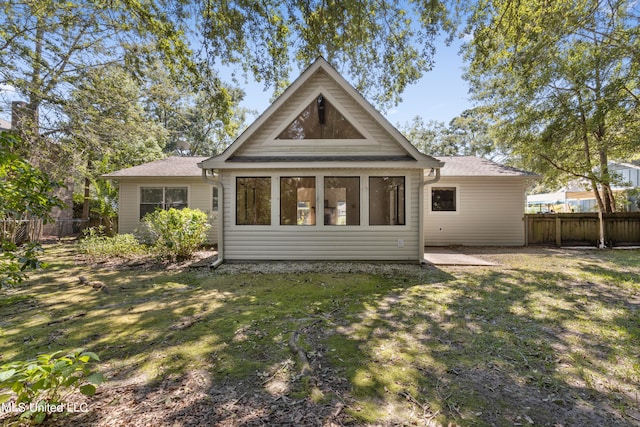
[232, 158]
[476, 166]
[173, 166]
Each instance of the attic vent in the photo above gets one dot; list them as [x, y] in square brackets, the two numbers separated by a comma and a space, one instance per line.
[320, 120]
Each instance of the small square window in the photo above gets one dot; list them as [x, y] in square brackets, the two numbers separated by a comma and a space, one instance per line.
[443, 199]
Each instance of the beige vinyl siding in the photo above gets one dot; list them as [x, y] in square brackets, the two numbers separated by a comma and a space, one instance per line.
[490, 212]
[263, 142]
[199, 196]
[320, 242]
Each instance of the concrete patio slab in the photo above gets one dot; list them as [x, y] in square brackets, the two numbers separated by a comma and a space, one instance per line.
[446, 256]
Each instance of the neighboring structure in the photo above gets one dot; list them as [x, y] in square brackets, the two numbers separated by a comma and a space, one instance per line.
[322, 175]
[577, 197]
[171, 182]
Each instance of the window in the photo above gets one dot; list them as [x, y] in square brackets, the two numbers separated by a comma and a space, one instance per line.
[320, 120]
[297, 201]
[214, 200]
[253, 201]
[443, 199]
[152, 198]
[341, 200]
[386, 200]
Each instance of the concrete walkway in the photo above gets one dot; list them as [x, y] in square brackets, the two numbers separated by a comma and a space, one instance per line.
[446, 256]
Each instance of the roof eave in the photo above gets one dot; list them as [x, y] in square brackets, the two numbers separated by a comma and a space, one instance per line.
[320, 165]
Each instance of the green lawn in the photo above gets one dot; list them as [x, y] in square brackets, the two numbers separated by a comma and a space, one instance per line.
[547, 337]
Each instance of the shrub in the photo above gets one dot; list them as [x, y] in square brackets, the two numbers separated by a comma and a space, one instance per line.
[46, 382]
[176, 233]
[96, 245]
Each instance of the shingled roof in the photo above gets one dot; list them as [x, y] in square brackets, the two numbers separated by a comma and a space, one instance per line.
[188, 167]
[476, 166]
[170, 167]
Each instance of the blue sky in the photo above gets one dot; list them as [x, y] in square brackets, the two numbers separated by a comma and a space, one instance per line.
[440, 95]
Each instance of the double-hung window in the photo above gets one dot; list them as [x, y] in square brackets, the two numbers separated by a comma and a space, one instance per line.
[152, 198]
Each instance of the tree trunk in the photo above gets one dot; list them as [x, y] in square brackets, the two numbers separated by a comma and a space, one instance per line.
[605, 179]
[601, 208]
[86, 200]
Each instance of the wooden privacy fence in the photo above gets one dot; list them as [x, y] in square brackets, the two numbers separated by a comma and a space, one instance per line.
[582, 229]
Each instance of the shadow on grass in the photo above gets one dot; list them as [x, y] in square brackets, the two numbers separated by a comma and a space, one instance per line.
[554, 344]
[551, 343]
[154, 330]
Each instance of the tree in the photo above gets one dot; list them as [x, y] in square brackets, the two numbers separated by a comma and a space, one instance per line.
[382, 46]
[562, 80]
[471, 131]
[26, 194]
[46, 46]
[430, 138]
[107, 126]
[466, 135]
[199, 120]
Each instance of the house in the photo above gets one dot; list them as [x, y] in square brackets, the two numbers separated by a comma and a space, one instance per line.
[322, 175]
[171, 182]
[577, 196]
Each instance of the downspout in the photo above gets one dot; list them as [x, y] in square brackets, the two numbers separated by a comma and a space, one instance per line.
[421, 210]
[216, 183]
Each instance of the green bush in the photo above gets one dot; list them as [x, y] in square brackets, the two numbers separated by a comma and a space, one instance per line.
[42, 385]
[176, 233]
[96, 245]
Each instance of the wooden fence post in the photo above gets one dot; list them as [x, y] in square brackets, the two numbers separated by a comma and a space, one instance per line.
[558, 231]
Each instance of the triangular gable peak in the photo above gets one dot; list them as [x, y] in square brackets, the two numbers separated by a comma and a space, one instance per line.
[353, 133]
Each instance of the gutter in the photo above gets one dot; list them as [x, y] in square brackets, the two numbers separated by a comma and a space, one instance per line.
[210, 179]
[435, 179]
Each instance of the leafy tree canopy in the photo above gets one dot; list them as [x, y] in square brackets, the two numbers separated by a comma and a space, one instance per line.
[561, 78]
[381, 46]
[466, 135]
